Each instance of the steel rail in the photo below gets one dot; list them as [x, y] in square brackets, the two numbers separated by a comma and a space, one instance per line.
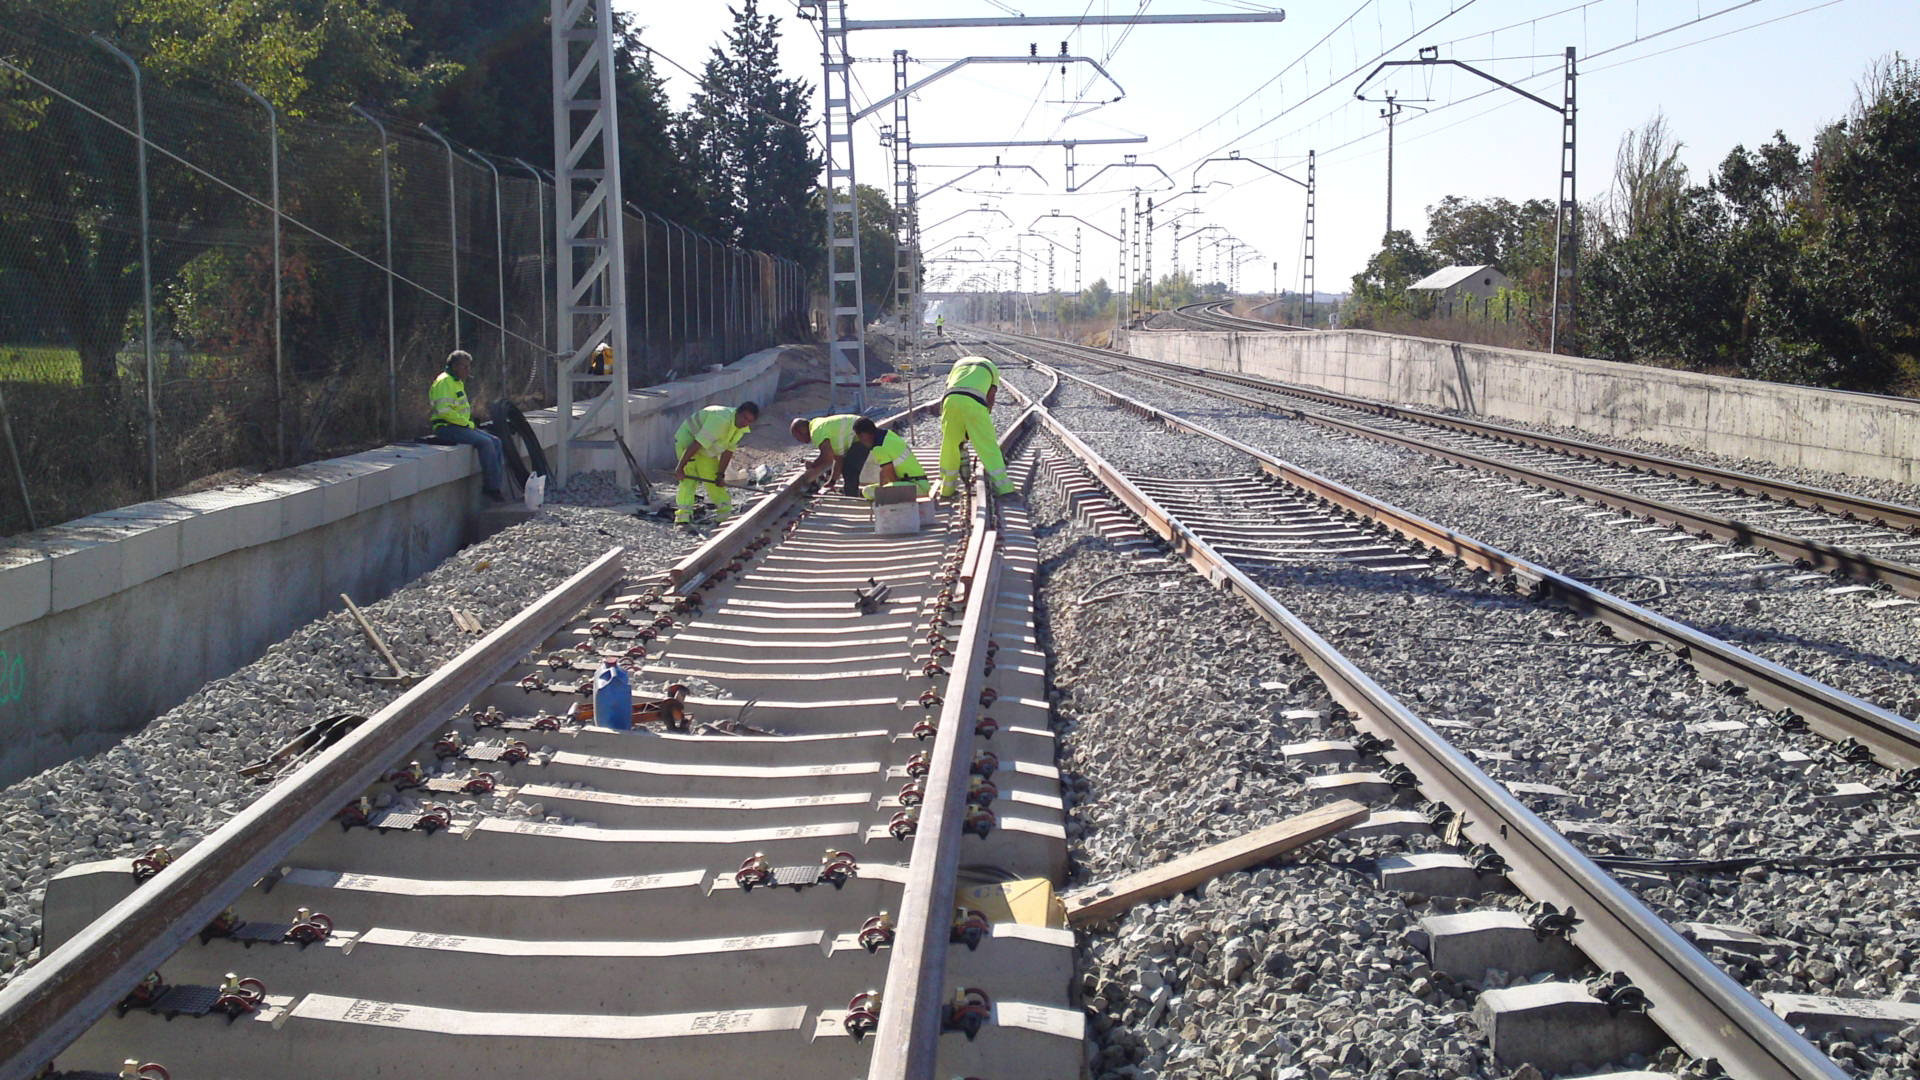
[906, 1044]
[54, 1002]
[1833, 713]
[1903, 578]
[1853, 507]
[1699, 1006]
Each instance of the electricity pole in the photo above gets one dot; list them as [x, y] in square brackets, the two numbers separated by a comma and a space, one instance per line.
[1392, 110]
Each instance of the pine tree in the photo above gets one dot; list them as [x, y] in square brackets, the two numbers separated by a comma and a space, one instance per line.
[746, 134]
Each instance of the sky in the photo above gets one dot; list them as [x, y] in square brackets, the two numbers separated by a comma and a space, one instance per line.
[1723, 72]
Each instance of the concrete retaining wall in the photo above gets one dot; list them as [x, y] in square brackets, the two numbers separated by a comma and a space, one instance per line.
[110, 620]
[1859, 434]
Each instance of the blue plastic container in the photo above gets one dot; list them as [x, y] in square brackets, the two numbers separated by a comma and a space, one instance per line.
[613, 698]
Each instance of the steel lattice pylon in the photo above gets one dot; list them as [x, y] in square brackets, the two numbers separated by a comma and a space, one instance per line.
[846, 300]
[906, 209]
[590, 271]
[1566, 247]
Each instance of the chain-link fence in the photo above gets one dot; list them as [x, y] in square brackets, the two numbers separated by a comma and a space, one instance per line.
[193, 284]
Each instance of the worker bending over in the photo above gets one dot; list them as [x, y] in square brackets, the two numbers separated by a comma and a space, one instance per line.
[452, 419]
[704, 446]
[834, 436]
[892, 454]
[965, 418]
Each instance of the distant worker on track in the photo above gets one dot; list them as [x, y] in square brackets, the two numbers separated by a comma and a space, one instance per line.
[966, 417]
[704, 446]
[452, 420]
[892, 454]
[834, 436]
[940, 325]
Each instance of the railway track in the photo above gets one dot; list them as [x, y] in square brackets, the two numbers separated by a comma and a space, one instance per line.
[1226, 529]
[1812, 529]
[477, 880]
[1216, 315]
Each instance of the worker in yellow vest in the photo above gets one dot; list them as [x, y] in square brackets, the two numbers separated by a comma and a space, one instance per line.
[833, 435]
[965, 417]
[703, 447]
[892, 454]
[452, 420]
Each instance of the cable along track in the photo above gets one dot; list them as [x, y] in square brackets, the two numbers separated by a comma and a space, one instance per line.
[1695, 1003]
[1815, 528]
[757, 889]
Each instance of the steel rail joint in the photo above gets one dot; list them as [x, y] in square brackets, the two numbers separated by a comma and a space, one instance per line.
[1699, 1006]
[56, 1000]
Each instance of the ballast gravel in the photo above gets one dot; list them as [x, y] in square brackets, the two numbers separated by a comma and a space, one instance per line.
[176, 779]
[1868, 652]
[1286, 972]
[1546, 699]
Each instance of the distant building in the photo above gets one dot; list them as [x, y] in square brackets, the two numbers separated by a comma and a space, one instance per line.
[1451, 285]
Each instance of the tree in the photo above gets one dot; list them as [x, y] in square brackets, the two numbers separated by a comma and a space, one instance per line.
[303, 55]
[1495, 231]
[747, 131]
[1381, 289]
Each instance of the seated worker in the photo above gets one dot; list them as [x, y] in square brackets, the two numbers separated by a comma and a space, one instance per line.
[452, 419]
[892, 454]
[966, 417]
[704, 446]
[833, 435]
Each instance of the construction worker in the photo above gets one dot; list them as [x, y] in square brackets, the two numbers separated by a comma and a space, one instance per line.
[940, 325]
[452, 420]
[833, 435]
[965, 417]
[892, 454]
[704, 445]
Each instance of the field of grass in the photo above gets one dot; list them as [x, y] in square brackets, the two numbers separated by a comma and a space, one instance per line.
[40, 363]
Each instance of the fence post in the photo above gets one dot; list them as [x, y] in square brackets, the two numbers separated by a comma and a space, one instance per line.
[19, 472]
[646, 285]
[453, 230]
[386, 220]
[146, 268]
[499, 262]
[279, 364]
[540, 204]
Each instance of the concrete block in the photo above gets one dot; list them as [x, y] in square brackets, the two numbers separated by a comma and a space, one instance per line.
[1468, 945]
[1849, 794]
[408, 470]
[1391, 823]
[80, 894]
[149, 537]
[303, 502]
[1733, 938]
[376, 480]
[26, 586]
[1818, 1016]
[1366, 787]
[227, 520]
[1559, 1027]
[1435, 874]
[340, 497]
[1320, 752]
[445, 464]
[86, 564]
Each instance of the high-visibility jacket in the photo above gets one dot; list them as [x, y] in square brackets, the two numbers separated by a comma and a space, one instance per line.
[973, 376]
[893, 450]
[836, 431]
[713, 428]
[448, 399]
